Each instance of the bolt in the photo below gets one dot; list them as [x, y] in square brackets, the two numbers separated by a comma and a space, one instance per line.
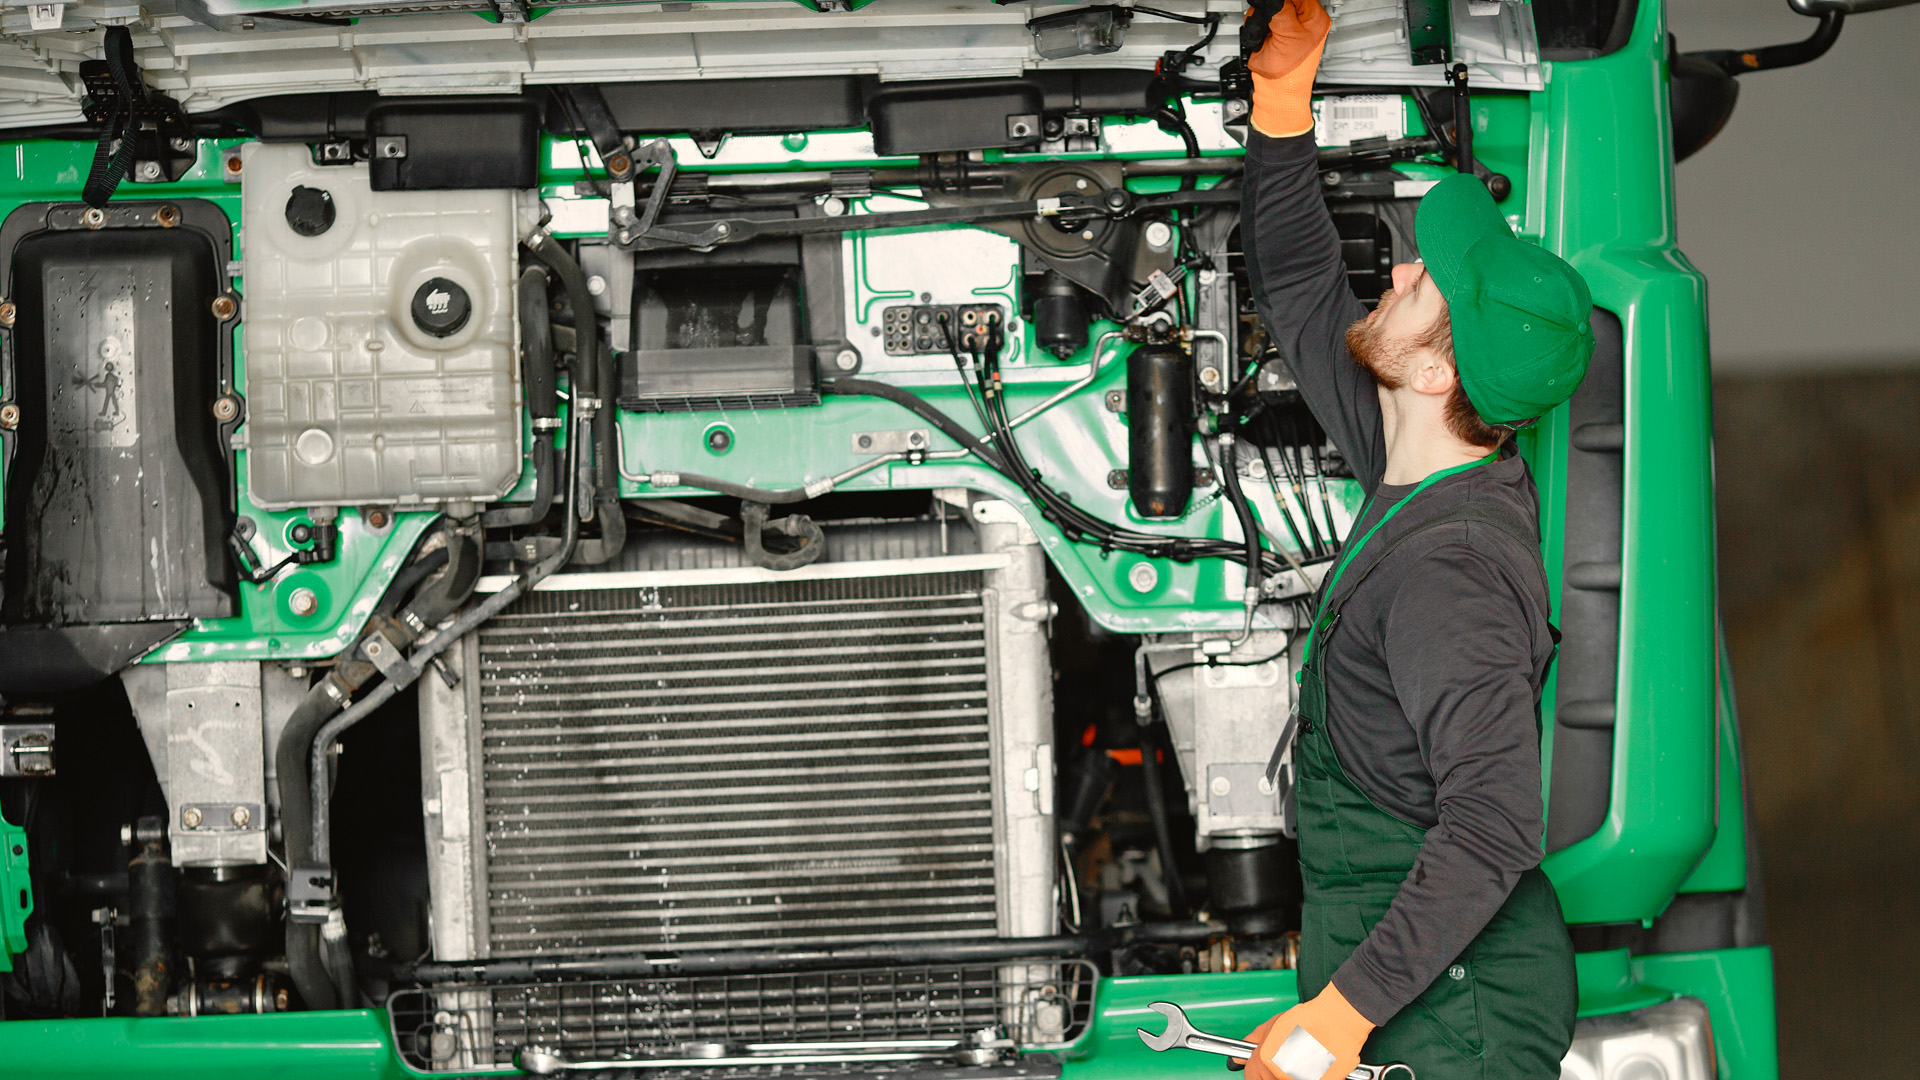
[1221, 786]
[149, 170]
[233, 164]
[833, 206]
[1116, 401]
[190, 817]
[224, 307]
[722, 229]
[1117, 479]
[9, 416]
[303, 602]
[167, 216]
[1209, 376]
[1236, 107]
[375, 517]
[719, 439]
[619, 164]
[280, 999]
[226, 407]
[1086, 234]
[847, 359]
[596, 285]
[94, 217]
[915, 438]
[182, 143]
[241, 816]
[7, 314]
[1159, 235]
[1143, 577]
[866, 442]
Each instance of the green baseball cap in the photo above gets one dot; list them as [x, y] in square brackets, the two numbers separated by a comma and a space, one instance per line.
[1522, 317]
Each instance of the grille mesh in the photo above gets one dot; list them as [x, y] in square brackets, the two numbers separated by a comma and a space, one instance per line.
[737, 766]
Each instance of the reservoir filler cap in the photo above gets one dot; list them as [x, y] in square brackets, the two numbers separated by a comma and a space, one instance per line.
[441, 307]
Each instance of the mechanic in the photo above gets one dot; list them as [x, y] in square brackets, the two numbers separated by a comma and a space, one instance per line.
[1429, 934]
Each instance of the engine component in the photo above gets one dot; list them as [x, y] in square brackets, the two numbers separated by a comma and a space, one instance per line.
[1226, 717]
[708, 760]
[450, 144]
[150, 902]
[1060, 316]
[718, 339]
[1253, 883]
[227, 921]
[203, 730]
[941, 329]
[1160, 430]
[117, 491]
[932, 118]
[350, 399]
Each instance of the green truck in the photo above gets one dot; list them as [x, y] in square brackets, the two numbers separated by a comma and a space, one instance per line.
[734, 538]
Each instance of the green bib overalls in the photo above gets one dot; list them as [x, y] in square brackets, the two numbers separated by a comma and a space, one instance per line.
[1504, 1009]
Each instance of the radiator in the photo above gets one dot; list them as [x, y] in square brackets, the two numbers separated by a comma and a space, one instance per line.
[728, 758]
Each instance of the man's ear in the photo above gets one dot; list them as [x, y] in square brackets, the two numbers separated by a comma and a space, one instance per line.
[1431, 373]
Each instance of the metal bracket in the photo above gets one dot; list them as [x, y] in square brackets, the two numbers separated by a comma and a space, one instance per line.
[1429, 31]
[902, 441]
[16, 893]
[390, 658]
[26, 750]
[309, 893]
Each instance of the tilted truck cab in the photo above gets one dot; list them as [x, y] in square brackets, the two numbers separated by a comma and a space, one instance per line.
[708, 538]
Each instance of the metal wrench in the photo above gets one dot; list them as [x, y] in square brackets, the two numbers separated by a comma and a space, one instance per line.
[1180, 1032]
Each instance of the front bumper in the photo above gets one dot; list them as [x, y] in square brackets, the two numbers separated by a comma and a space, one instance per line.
[1736, 984]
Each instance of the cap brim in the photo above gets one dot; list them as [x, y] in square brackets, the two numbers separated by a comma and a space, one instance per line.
[1455, 214]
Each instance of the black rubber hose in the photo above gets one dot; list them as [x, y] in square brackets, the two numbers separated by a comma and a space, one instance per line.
[434, 603]
[539, 375]
[1162, 825]
[920, 407]
[410, 576]
[1242, 509]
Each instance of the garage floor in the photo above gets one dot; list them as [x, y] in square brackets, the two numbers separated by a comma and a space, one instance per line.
[1819, 493]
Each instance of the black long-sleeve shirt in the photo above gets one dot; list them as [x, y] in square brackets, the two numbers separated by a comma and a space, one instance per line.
[1434, 674]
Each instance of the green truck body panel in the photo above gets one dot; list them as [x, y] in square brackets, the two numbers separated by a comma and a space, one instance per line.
[16, 892]
[1591, 161]
[1737, 985]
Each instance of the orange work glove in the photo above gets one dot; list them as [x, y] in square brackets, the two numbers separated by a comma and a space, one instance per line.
[1337, 1026]
[1284, 67]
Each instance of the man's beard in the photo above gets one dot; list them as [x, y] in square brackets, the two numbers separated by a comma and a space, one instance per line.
[1384, 359]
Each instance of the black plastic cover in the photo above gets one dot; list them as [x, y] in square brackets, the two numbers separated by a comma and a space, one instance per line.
[735, 105]
[932, 118]
[455, 144]
[718, 338]
[54, 660]
[1587, 687]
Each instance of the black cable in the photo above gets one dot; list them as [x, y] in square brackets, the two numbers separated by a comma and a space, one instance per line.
[1242, 509]
[1326, 501]
[1212, 21]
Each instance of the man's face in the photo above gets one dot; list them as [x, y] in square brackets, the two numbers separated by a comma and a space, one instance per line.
[1384, 341]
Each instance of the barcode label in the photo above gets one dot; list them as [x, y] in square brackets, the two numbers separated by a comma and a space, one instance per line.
[1340, 121]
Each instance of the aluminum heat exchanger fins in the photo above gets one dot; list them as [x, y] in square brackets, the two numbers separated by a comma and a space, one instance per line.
[739, 765]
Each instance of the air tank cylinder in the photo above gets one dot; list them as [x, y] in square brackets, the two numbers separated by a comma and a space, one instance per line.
[1160, 430]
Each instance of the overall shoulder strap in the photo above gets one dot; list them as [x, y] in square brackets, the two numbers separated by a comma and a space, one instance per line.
[1504, 518]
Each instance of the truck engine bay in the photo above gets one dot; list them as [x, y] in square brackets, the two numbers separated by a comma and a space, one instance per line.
[792, 563]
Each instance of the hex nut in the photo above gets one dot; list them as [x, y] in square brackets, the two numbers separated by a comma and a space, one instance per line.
[190, 817]
[619, 164]
[168, 216]
[847, 359]
[9, 416]
[241, 817]
[8, 313]
[94, 217]
[224, 307]
[226, 407]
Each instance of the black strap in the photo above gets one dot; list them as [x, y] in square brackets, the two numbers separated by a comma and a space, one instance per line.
[1504, 518]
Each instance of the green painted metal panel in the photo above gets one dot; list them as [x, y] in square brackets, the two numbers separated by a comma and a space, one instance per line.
[1608, 208]
[16, 892]
[283, 1046]
[1737, 985]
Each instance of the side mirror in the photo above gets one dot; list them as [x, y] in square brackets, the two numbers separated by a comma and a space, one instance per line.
[1817, 8]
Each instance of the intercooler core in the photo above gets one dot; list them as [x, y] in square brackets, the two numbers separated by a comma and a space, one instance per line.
[660, 762]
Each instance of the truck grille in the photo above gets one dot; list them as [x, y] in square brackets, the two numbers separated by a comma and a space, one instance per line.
[738, 765]
[1037, 1003]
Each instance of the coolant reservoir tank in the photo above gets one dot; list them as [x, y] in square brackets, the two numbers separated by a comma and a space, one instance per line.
[378, 337]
